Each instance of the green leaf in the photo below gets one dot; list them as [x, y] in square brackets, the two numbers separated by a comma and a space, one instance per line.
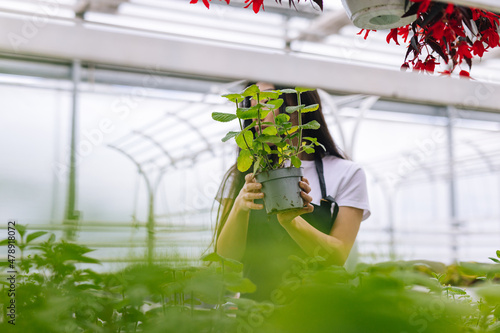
[310, 108]
[256, 165]
[52, 238]
[309, 150]
[253, 90]
[271, 130]
[269, 138]
[495, 260]
[313, 124]
[498, 253]
[34, 235]
[303, 89]
[282, 118]
[21, 229]
[230, 135]
[292, 109]
[213, 257]
[245, 286]
[281, 144]
[247, 113]
[474, 268]
[257, 146]
[245, 139]
[296, 161]
[4, 242]
[266, 148]
[269, 95]
[223, 117]
[236, 98]
[456, 290]
[88, 260]
[315, 142]
[245, 160]
[275, 103]
[234, 265]
[265, 107]
[288, 91]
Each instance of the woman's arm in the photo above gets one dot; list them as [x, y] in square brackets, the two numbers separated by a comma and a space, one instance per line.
[334, 247]
[232, 239]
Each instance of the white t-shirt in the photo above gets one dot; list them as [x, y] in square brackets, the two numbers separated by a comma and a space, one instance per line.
[345, 182]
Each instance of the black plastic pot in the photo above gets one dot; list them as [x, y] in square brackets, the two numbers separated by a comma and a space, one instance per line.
[281, 189]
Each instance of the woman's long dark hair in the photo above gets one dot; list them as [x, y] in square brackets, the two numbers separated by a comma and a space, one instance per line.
[234, 179]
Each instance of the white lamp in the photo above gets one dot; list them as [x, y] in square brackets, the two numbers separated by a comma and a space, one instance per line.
[377, 14]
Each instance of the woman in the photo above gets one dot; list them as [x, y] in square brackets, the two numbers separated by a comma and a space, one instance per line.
[333, 190]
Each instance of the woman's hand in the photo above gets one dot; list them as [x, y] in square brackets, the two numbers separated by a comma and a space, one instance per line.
[288, 216]
[250, 191]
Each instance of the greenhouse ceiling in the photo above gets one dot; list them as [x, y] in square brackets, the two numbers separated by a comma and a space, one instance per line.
[281, 44]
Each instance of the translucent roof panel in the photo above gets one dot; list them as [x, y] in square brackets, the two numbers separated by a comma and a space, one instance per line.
[305, 30]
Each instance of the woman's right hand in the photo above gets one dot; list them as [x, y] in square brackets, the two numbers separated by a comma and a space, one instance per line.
[249, 192]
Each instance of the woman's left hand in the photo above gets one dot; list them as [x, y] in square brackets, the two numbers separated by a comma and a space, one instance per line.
[288, 216]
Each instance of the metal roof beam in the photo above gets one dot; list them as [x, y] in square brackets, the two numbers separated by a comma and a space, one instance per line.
[217, 60]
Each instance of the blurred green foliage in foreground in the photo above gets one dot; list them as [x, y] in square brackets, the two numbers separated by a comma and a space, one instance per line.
[53, 295]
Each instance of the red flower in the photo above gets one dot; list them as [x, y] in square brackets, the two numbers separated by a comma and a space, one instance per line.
[492, 17]
[449, 34]
[430, 65]
[478, 48]
[465, 74]
[476, 14]
[366, 34]
[205, 2]
[256, 5]
[457, 27]
[463, 51]
[491, 37]
[419, 66]
[392, 35]
[424, 5]
[437, 30]
[450, 8]
[404, 32]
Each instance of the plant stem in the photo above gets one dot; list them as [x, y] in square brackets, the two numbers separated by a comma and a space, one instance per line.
[258, 115]
[192, 303]
[286, 132]
[259, 122]
[241, 127]
[245, 140]
[299, 112]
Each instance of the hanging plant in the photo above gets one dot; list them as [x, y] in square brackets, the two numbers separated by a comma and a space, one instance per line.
[445, 32]
[258, 4]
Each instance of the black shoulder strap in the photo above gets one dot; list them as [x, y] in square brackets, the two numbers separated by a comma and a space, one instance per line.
[324, 197]
[319, 170]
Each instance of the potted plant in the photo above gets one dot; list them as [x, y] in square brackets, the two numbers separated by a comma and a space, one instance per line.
[445, 32]
[272, 148]
[378, 14]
